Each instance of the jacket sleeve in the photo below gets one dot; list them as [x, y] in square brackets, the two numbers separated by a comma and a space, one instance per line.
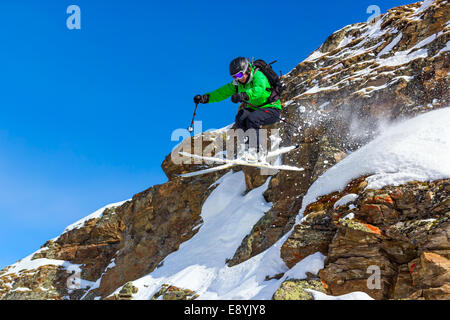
[222, 93]
[257, 93]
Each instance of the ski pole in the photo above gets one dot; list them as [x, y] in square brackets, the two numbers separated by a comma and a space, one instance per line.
[284, 120]
[190, 129]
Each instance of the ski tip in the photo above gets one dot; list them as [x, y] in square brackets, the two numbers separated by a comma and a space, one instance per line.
[297, 169]
[182, 175]
[188, 175]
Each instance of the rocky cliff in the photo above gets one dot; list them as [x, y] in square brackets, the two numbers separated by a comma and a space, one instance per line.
[362, 78]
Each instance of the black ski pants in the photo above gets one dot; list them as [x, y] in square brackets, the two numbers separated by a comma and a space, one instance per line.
[253, 119]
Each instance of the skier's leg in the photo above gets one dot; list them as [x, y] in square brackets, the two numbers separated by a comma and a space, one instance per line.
[241, 119]
[262, 117]
[241, 132]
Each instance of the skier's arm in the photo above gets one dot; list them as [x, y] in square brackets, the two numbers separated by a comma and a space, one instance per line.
[222, 93]
[258, 93]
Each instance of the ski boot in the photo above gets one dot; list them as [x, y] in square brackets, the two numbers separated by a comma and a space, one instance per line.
[253, 155]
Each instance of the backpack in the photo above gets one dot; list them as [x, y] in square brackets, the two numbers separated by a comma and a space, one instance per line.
[276, 87]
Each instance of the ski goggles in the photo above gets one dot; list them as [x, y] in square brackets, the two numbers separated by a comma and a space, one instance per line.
[238, 75]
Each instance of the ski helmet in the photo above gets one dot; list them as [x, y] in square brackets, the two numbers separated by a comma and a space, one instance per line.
[238, 64]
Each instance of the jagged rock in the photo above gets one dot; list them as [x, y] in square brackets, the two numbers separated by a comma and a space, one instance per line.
[94, 244]
[253, 178]
[403, 285]
[440, 293]
[126, 293]
[355, 248]
[430, 270]
[44, 283]
[168, 292]
[427, 235]
[318, 228]
[430, 277]
[396, 249]
[330, 153]
[295, 290]
[303, 242]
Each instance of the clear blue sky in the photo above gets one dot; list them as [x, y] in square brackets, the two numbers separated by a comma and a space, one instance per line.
[87, 115]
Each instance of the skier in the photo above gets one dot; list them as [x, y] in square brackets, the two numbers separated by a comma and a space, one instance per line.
[250, 87]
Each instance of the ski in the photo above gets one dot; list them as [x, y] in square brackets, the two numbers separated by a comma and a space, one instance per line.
[282, 150]
[227, 163]
[239, 162]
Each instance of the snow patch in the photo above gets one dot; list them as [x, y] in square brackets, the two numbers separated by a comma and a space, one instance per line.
[403, 57]
[425, 5]
[444, 49]
[406, 56]
[28, 264]
[391, 45]
[345, 199]
[312, 263]
[351, 215]
[357, 295]
[315, 55]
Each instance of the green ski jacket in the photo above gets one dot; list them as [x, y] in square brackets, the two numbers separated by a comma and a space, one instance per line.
[255, 88]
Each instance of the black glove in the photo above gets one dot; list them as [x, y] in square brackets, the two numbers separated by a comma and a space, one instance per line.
[201, 98]
[239, 97]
